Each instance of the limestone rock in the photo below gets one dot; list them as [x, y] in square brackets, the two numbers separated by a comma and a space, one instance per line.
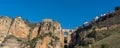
[10, 43]
[57, 45]
[43, 43]
[4, 27]
[48, 25]
[49, 30]
[34, 32]
[19, 28]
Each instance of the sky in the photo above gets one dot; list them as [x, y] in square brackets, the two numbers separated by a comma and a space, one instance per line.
[70, 13]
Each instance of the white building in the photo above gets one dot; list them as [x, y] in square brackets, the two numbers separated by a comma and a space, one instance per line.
[47, 20]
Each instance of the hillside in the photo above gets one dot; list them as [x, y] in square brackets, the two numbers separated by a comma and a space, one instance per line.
[113, 41]
[110, 42]
[97, 32]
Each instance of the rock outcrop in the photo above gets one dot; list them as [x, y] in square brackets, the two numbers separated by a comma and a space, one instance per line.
[19, 28]
[48, 25]
[5, 23]
[16, 33]
[11, 42]
[34, 32]
[19, 33]
[50, 31]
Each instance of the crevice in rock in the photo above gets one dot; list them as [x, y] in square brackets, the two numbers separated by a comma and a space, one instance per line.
[10, 26]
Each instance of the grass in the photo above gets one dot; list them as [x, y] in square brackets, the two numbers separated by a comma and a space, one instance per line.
[112, 41]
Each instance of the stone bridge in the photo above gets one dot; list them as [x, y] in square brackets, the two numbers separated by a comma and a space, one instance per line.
[67, 36]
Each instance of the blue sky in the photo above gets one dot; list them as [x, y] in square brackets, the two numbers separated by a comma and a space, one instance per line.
[70, 13]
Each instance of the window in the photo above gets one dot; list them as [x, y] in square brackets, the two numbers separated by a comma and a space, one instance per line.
[65, 46]
[65, 34]
[65, 40]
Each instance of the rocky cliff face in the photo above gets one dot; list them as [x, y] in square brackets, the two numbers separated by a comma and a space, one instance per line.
[50, 26]
[34, 32]
[16, 33]
[5, 23]
[11, 42]
[19, 28]
[19, 33]
[50, 31]
[12, 32]
[96, 30]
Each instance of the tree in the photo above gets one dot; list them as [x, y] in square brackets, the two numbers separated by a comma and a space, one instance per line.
[93, 34]
[117, 8]
[82, 36]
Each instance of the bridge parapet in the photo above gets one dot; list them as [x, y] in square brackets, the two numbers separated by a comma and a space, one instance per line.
[69, 31]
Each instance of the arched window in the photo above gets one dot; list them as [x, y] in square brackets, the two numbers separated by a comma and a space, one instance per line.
[65, 46]
[65, 34]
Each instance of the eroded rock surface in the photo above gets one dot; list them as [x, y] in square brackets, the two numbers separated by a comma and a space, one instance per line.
[5, 23]
[19, 28]
[19, 33]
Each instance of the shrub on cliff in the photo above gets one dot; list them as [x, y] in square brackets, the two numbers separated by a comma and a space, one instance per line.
[104, 46]
[117, 8]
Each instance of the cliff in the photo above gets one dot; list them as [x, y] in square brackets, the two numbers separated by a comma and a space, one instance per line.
[100, 30]
[18, 33]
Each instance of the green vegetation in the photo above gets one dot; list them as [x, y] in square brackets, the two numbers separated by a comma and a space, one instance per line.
[117, 8]
[108, 38]
[50, 33]
[12, 36]
[93, 34]
[104, 46]
[55, 37]
[32, 26]
[111, 41]
[19, 40]
[34, 40]
[47, 34]
[98, 35]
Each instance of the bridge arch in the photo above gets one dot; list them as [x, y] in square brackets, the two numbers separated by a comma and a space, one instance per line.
[67, 36]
